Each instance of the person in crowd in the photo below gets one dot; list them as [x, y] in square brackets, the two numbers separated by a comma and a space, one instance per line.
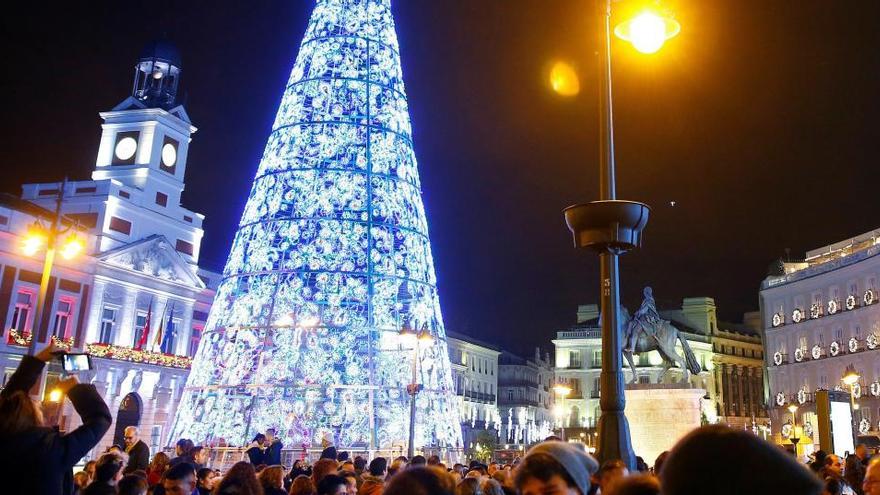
[138, 451]
[157, 468]
[115, 449]
[332, 485]
[421, 481]
[346, 466]
[108, 472]
[132, 484]
[273, 444]
[871, 484]
[491, 468]
[299, 468]
[854, 470]
[374, 479]
[418, 460]
[256, 451]
[434, 460]
[329, 453]
[396, 466]
[833, 470]
[555, 467]
[205, 480]
[469, 486]
[241, 479]
[658, 462]
[491, 487]
[89, 468]
[343, 456]
[360, 469]
[80, 481]
[43, 458]
[818, 462]
[641, 465]
[302, 485]
[832, 487]
[323, 468]
[272, 480]
[200, 457]
[180, 479]
[350, 482]
[641, 484]
[183, 449]
[503, 477]
[609, 472]
[725, 461]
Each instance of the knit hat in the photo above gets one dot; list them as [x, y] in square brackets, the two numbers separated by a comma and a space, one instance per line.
[576, 462]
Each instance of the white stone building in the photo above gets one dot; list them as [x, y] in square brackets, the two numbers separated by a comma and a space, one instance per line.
[819, 316]
[729, 354]
[475, 377]
[140, 262]
[525, 399]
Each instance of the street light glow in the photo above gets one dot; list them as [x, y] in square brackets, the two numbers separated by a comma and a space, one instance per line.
[562, 390]
[55, 395]
[648, 31]
[73, 245]
[34, 240]
[850, 376]
[792, 408]
[564, 80]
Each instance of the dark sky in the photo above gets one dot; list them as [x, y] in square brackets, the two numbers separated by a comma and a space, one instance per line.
[759, 121]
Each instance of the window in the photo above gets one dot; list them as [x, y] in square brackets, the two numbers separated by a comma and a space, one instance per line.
[574, 359]
[194, 339]
[161, 199]
[119, 225]
[85, 190]
[644, 379]
[124, 194]
[63, 310]
[187, 219]
[597, 358]
[108, 321]
[838, 335]
[140, 322]
[802, 342]
[21, 312]
[88, 220]
[184, 247]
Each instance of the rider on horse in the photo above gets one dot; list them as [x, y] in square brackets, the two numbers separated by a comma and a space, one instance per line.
[646, 319]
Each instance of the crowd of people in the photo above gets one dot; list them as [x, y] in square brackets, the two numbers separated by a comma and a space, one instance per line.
[710, 460]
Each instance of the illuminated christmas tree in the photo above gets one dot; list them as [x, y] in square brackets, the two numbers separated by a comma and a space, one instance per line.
[330, 261]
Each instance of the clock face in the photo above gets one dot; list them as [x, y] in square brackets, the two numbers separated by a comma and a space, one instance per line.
[125, 148]
[169, 155]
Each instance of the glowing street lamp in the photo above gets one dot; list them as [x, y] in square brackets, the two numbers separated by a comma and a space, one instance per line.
[409, 338]
[850, 378]
[611, 227]
[38, 238]
[562, 391]
[648, 31]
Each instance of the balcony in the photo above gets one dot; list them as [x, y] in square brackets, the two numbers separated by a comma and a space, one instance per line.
[593, 333]
[121, 353]
[480, 397]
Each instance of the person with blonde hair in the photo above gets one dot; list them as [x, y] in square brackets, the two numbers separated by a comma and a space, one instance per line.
[42, 459]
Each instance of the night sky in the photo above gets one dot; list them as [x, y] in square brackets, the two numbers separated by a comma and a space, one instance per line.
[759, 122]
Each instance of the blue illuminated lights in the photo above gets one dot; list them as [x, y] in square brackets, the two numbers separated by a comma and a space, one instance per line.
[331, 259]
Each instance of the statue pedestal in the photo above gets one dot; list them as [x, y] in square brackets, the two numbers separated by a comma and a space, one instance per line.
[659, 415]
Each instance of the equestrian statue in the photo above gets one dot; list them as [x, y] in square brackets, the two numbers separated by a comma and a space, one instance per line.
[646, 332]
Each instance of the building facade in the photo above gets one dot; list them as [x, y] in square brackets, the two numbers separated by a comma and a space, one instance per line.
[729, 354]
[136, 299]
[819, 316]
[475, 378]
[525, 399]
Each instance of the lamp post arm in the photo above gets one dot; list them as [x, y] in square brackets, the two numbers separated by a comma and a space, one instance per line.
[48, 261]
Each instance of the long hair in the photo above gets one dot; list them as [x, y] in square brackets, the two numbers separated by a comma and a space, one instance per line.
[421, 481]
[272, 477]
[241, 479]
[160, 462]
[18, 413]
[302, 485]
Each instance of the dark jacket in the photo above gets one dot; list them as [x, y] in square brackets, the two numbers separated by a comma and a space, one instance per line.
[100, 488]
[138, 458]
[256, 455]
[272, 457]
[42, 459]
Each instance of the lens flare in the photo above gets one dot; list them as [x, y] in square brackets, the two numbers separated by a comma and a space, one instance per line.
[564, 80]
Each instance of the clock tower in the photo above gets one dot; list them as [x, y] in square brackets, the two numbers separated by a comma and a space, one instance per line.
[139, 172]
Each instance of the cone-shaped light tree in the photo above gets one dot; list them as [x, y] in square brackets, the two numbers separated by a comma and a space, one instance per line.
[330, 261]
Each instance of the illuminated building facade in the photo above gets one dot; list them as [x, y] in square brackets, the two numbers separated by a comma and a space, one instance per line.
[331, 260]
[525, 399]
[475, 378]
[730, 354]
[820, 315]
[136, 299]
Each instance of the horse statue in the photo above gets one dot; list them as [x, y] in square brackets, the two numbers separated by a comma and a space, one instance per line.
[646, 334]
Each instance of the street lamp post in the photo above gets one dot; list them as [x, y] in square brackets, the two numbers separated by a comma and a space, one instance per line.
[562, 391]
[38, 236]
[851, 378]
[612, 227]
[409, 336]
[794, 438]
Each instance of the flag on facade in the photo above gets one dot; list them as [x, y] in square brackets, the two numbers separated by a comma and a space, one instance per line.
[168, 337]
[157, 342]
[145, 333]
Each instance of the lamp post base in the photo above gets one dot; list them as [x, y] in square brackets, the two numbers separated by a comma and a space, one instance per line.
[614, 440]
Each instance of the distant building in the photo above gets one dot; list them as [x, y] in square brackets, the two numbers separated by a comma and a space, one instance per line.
[136, 300]
[525, 399]
[820, 315]
[475, 377]
[729, 354]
